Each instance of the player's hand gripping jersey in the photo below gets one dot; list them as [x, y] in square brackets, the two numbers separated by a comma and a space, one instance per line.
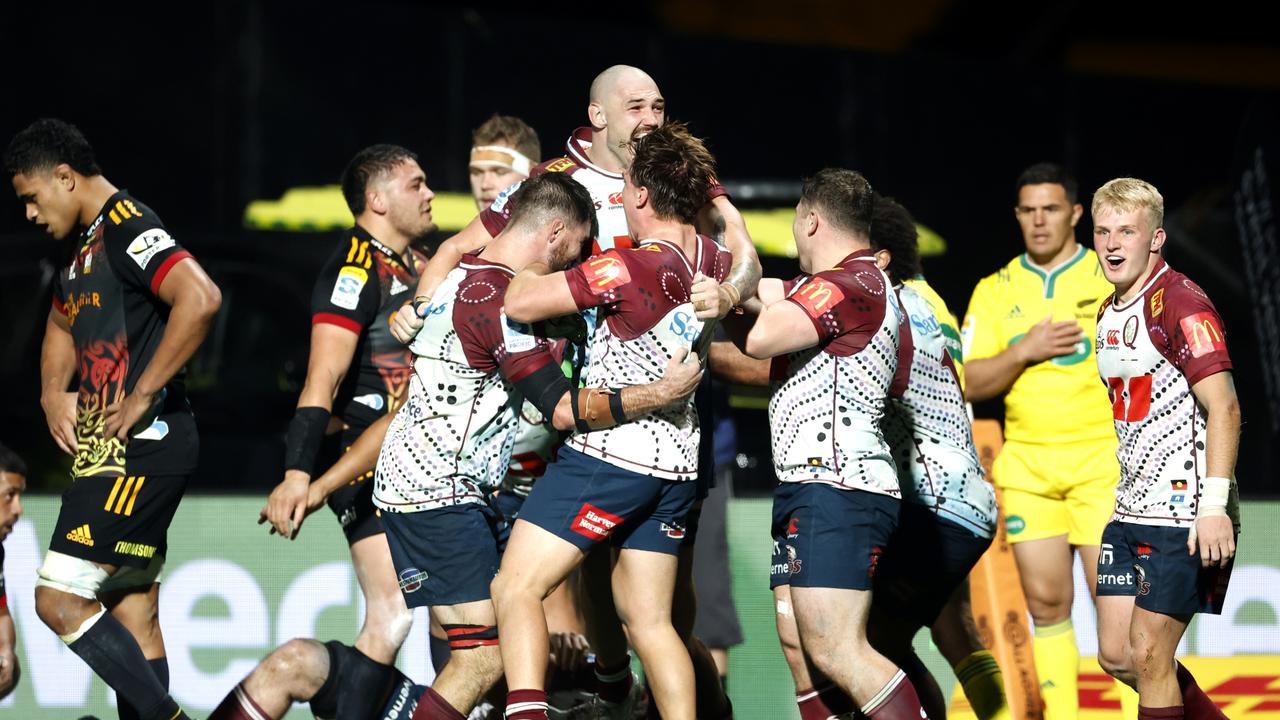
[829, 400]
[360, 288]
[605, 188]
[1003, 308]
[928, 428]
[109, 296]
[645, 316]
[1151, 350]
[451, 442]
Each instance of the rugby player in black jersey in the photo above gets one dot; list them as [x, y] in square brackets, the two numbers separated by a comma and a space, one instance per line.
[127, 314]
[357, 373]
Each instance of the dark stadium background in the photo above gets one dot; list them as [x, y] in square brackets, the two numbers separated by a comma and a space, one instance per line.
[200, 108]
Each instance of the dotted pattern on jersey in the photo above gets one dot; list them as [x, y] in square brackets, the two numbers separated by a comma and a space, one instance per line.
[1160, 454]
[929, 433]
[825, 416]
[660, 320]
[1160, 427]
[451, 442]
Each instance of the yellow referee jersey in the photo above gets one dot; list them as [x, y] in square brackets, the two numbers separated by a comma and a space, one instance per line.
[946, 319]
[1059, 400]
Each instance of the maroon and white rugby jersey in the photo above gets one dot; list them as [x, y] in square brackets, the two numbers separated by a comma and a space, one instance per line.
[451, 442]
[645, 316]
[828, 400]
[1151, 351]
[928, 428]
[605, 188]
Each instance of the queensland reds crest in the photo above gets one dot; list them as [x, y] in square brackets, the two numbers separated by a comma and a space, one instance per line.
[1130, 331]
[1140, 573]
[793, 563]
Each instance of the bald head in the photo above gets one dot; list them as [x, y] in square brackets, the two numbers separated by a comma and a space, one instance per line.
[617, 76]
[625, 104]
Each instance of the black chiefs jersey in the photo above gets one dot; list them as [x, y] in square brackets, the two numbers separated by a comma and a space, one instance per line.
[361, 287]
[109, 297]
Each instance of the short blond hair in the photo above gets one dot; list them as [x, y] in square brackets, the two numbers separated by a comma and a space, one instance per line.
[1129, 194]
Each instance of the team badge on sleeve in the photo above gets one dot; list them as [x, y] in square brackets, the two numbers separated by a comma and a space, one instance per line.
[818, 296]
[147, 245]
[1203, 334]
[346, 290]
[1157, 303]
[605, 272]
[560, 165]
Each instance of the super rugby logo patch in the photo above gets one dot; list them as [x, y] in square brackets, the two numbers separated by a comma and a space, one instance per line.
[346, 289]
[148, 245]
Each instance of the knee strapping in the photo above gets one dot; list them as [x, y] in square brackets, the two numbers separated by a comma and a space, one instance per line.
[466, 637]
[84, 627]
[71, 575]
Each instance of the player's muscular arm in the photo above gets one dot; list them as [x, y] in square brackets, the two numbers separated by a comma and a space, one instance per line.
[57, 367]
[720, 219]
[332, 350]
[536, 293]
[677, 384]
[1213, 533]
[406, 322]
[730, 364]
[193, 300]
[9, 670]
[986, 378]
[782, 328]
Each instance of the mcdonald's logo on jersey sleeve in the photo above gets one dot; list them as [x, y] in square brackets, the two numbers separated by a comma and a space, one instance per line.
[605, 272]
[818, 296]
[1204, 333]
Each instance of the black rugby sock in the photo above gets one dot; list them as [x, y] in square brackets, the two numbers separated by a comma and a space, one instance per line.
[362, 678]
[114, 655]
[159, 666]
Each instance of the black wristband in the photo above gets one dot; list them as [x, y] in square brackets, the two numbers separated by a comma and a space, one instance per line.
[306, 433]
[615, 407]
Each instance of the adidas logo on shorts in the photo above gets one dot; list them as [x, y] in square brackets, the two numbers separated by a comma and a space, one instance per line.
[81, 535]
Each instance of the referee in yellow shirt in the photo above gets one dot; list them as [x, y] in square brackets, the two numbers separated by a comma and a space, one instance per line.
[1028, 335]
